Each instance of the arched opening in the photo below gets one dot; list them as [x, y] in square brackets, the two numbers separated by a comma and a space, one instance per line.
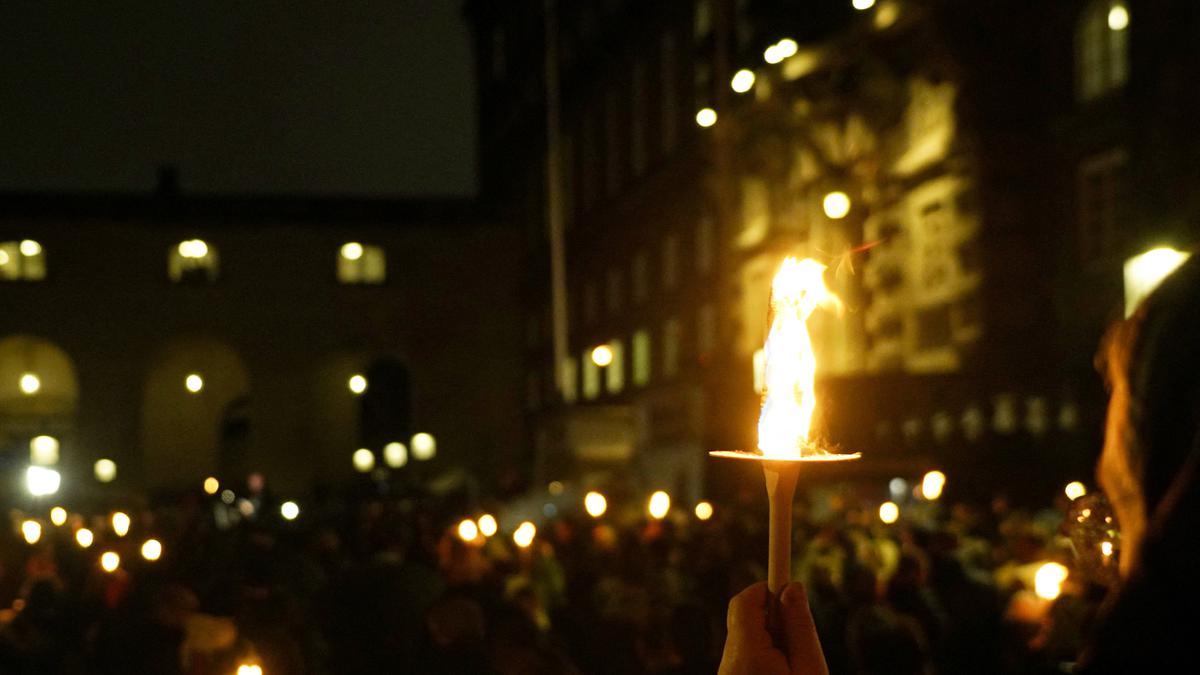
[195, 417]
[39, 393]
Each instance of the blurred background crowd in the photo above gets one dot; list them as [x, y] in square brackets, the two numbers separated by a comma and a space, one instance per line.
[371, 581]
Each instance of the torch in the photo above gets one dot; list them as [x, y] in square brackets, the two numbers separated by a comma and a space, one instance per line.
[789, 401]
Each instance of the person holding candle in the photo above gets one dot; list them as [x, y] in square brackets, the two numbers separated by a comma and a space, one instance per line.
[1149, 469]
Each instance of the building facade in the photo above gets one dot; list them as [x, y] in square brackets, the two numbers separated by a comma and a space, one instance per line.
[182, 337]
[963, 168]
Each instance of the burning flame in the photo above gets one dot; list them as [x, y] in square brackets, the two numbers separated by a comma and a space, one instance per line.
[789, 399]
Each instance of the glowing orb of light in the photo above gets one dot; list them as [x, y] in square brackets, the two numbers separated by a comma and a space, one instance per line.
[1048, 580]
[889, 512]
[120, 523]
[836, 205]
[595, 504]
[524, 534]
[32, 531]
[658, 505]
[487, 525]
[704, 510]
[932, 484]
[743, 81]
[289, 510]
[152, 549]
[1074, 490]
[468, 531]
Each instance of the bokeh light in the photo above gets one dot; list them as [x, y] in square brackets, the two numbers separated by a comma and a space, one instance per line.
[595, 504]
[889, 512]
[658, 505]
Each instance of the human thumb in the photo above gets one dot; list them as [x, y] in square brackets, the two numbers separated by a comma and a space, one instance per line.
[803, 646]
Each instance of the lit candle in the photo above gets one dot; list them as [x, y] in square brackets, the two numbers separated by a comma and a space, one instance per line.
[789, 401]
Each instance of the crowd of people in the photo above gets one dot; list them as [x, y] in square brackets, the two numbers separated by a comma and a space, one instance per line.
[370, 582]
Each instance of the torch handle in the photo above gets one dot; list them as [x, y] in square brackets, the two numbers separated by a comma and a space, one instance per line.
[781, 488]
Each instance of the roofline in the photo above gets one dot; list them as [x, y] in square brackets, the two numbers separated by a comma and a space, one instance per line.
[243, 208]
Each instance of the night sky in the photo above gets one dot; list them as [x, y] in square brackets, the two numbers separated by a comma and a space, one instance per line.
[359, 97]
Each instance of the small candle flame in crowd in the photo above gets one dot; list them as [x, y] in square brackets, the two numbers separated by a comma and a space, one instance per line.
[524, 534]
[659, 505]
[110, 561]
[1048, 580]
[789, 399]
[487, 525]
[932, 485]
[595, 504]
[120, 523]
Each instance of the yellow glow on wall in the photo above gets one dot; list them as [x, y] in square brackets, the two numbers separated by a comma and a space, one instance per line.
[363, 460]
[487, 525]
[105, 470]
[1143, 273]
[120, 523]
[30, 384]
[110, 561]
[704, 510]
[595, 504]
[194, 383]
[395, 454]
[889, 512]
[706, 117]
[32, 531]
[424, 446]
[524, 534]
[743, 81]
[84, 537]
[659, 505]
[1048, 580]
[58, 516]
[357, 384]
[352, 250]
[152, 549]
[836, 205]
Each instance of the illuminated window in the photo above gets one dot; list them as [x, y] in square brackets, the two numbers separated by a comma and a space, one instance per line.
[362, 264]
[670, 261]
[570, 380]
[641, 358]
[1100, 184]
[671, 337]
[22, 261]
[192, 261]
[591, 376]
[614, 373]
[1101, 49]
[702, 23]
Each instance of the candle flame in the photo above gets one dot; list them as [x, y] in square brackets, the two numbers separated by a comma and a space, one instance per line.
[789, 398]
